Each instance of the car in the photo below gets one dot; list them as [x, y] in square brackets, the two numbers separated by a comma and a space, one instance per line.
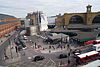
[20, 47]
[76, 52]
[24, 48]
[62, 56]
[25, 38]
[39, 57]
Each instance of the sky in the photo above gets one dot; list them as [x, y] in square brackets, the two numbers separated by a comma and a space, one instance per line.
[20, 8]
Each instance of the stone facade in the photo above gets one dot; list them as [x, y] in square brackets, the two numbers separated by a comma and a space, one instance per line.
[87, 17]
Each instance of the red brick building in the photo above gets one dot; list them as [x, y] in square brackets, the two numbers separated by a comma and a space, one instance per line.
[8, 25]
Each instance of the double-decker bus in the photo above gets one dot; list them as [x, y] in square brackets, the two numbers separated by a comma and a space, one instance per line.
[87, 57]
[93, 64]
[92, 42]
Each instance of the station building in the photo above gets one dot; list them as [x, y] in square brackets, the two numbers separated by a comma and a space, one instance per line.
[8, 25]
[85, 18]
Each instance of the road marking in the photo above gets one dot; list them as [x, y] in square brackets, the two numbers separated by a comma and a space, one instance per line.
[46, 63]
[52, 61]
[18, 63]
[43, 62]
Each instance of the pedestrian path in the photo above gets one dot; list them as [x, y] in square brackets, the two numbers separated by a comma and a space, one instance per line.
[3, 39]
[12, 55]
[49, 50]
[30, 63]
[46, 50]
[53, 51]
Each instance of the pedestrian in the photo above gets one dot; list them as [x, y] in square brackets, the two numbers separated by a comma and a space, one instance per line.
[32, 42]
[43, 48]
[61, 47]
[64, 46]
[5, 56]
[68, 46]
[68, 61]
[35, 45]
[53, 47]
[16, 48]
[68, 54]
[1, 41]
[58, 46]
[49, 51]
[49, 47]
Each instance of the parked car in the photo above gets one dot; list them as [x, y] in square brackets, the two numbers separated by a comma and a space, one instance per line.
[39, 57]
[62, 56]
[20, 47]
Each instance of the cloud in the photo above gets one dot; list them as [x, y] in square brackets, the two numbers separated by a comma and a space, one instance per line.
[20, 8]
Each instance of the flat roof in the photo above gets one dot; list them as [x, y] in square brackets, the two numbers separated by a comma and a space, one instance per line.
[81, 35]
[56, 36]
[87, 54]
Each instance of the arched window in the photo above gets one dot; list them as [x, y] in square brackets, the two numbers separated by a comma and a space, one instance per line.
[76, 20]
[96, 19]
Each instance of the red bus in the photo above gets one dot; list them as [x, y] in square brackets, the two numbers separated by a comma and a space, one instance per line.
[92, 42]
[92, 64]
[87, 57]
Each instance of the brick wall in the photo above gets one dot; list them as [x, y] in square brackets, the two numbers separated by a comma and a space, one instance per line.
[9, 27]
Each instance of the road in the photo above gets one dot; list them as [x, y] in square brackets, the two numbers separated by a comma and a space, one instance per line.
[51, 59]
[3, 46]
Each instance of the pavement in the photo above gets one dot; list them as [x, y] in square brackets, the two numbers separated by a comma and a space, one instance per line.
[22, 60]
[30, 63]
[49, 51]
[12, 55]
[44, 47]
[3, 39]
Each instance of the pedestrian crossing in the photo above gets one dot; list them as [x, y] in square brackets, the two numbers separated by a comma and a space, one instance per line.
[30, 63]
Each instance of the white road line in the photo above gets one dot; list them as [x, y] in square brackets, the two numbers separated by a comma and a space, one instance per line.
[46, 64]
[52, 61]
[42, 63]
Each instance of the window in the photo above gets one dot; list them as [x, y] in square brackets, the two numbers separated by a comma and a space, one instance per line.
[31, 22]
